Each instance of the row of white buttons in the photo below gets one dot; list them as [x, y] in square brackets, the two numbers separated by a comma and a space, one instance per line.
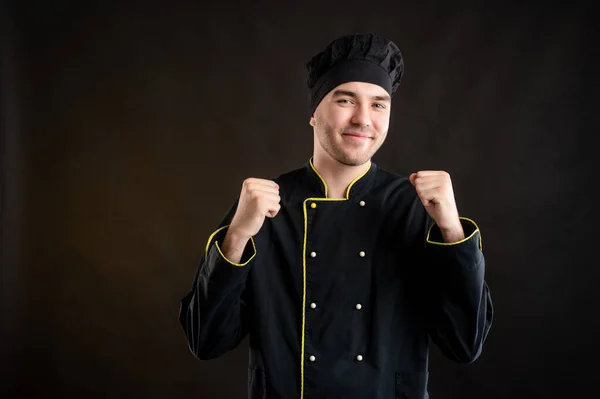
[361, 254]
[312, 358]
[314, 306]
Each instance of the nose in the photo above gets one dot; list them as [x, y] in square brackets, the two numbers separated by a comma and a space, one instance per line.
[361, 116]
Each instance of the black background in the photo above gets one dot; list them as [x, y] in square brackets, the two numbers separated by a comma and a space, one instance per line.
[128, 127]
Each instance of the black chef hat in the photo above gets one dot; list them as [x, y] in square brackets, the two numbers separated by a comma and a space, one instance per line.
[354, 58]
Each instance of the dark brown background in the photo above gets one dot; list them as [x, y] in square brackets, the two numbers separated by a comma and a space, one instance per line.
[128, 127]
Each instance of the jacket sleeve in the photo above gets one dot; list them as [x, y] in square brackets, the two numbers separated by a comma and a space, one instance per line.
[459, 306]
[214, 313]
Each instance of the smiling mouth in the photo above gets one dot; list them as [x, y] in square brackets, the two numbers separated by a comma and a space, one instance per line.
[357, 135]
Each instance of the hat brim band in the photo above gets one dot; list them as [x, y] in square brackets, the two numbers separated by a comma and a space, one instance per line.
[349, 71]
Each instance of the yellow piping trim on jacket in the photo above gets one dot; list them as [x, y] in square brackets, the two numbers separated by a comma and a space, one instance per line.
[304, 260]
[457, 242]
[349, 185]
[219, 249]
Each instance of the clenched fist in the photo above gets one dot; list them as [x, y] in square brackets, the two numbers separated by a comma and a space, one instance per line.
[259, 199]
[434, 189]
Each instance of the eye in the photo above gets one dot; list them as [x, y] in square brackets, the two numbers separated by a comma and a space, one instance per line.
[380, 106]
[344, 101]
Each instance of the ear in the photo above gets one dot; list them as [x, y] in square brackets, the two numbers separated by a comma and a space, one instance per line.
[312, 121]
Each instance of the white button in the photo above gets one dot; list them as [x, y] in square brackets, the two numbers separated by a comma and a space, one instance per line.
[362, 254]
[362, 203]
[313, 254]
[312, 358]
[358, 306]
[359, 358]
[313, 305]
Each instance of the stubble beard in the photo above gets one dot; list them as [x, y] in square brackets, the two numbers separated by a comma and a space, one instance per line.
[326, 136]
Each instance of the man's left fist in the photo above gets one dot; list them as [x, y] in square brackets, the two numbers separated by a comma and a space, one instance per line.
[434, 188]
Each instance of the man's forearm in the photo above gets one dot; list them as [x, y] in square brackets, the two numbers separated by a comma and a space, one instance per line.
[233, 246]
[453, 235]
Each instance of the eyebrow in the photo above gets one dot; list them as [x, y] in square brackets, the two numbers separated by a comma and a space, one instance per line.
[338, 93]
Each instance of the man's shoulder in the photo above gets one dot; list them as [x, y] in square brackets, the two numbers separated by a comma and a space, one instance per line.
[290, 176]
[396, 189]
[385, 177]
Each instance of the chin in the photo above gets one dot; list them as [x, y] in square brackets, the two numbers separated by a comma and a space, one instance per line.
[353, 160]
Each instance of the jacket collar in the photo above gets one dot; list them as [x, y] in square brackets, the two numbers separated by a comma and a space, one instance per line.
[358, 186]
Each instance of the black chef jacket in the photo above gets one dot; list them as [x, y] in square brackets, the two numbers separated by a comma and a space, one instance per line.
[340, 296]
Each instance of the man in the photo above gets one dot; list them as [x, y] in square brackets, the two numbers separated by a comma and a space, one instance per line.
[341, 271]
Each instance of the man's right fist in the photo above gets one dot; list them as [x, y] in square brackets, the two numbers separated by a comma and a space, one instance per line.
[259, 199]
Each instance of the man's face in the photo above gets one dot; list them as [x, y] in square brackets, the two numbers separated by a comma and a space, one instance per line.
[351, 122]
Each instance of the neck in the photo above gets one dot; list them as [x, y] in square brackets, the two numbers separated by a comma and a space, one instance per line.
[337, 176]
